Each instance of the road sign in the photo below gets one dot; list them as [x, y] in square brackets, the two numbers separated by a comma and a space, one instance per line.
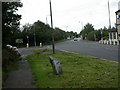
[101, 31]
[20, 40]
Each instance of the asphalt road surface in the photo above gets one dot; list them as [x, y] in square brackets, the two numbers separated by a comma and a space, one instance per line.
[90, 48]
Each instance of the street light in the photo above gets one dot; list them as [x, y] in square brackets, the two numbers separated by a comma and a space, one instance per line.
[52, 28]
[81, 24]
[34, 37]
[109, 20]
[28, 40]
[47, 19]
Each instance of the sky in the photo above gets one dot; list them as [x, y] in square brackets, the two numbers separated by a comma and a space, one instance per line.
[69, 15]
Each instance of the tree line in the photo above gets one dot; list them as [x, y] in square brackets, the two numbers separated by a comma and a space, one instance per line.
[90, 33]
[41, 32]
[38, 31]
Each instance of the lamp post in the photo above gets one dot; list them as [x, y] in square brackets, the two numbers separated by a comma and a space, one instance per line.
[109, 20]
[34, 37]
[52, 28]
[47, 19]
[81, 24]
[27, 41]
[101, 34]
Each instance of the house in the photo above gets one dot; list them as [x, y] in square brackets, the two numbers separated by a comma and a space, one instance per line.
[114, 35]
[118, 23]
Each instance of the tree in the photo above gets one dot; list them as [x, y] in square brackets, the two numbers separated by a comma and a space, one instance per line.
[26, 33]
[59, 34]
[87, 29]
[105, 29]
[38, 31]
[10, 20]
[10, 31]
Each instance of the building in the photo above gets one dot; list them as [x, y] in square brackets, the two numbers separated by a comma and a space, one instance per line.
[118, 23]
[113, 37]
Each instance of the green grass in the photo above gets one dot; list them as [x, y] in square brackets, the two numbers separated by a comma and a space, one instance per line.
[79, 71]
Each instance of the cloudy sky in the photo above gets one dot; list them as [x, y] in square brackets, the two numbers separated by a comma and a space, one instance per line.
[69, 15]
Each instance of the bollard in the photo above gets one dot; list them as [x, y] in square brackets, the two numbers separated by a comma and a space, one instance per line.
[99, 41]
[114, 43]
[40, 44]
[27, 45]
[107, 42]
[102, 42]
[110, 42]
[117, 42]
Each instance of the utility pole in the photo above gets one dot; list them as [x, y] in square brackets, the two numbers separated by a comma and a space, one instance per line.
[109, 14]
[34, 37]
[81, 24]
[46, 20]
[109, 18]
[52, 28]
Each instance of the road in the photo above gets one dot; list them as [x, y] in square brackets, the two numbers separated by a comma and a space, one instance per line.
[90, 48]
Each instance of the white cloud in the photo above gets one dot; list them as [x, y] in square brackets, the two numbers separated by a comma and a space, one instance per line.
[69, 12]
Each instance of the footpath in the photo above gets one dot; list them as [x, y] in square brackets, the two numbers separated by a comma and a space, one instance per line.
[22, 77]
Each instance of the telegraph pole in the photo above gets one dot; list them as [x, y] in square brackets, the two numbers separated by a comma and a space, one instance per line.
[34, 37]
[109, 14]
[46, 20]
[109, 19]
[52, 28]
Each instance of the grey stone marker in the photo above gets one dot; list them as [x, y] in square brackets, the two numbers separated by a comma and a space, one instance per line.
[57, 69]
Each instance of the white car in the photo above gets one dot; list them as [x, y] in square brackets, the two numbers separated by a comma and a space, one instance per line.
[75, 39]
[9, 46]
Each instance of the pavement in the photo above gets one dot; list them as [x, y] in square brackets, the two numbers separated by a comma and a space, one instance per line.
[22, 77]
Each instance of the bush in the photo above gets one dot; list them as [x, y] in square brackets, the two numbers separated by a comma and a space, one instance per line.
[8, 57]
[90, 36]
[106, 37]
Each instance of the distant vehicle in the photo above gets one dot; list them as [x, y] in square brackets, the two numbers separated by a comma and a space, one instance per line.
[75, 39]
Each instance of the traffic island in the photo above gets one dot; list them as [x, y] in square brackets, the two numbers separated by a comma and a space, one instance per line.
[80, 71]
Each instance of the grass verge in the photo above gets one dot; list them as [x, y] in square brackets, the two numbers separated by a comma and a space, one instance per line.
[79, 71]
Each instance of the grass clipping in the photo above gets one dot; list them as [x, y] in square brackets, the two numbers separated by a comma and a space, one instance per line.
[79, 71]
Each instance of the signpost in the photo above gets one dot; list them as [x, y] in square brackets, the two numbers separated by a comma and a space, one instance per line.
[101, 33]
[18, 41]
